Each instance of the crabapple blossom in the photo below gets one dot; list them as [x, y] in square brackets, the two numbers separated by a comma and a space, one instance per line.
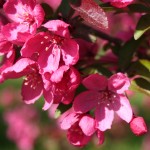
[53, 46]
[119, 3]
[33, 85]
[7, 61]
[5, 45]
[6, 51]
[80, 128]
[22, 126]
[138, 126]
[62, 90]
[106, 96]
[27, 16]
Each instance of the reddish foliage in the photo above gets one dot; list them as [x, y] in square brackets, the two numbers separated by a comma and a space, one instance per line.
[92, 13]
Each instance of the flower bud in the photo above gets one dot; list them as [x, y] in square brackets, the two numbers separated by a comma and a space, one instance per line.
[138, 126]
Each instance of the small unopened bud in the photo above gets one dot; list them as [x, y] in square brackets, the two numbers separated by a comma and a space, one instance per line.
[138, 126]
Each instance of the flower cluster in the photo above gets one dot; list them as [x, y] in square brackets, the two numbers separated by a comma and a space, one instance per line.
[21, 122]
[105, 96]
[46, 57]
[64, 65]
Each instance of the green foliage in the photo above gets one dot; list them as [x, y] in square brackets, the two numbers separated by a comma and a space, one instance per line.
[142, 26]
[141, 85]
[126, 53]
[142, 68]
[138, 8]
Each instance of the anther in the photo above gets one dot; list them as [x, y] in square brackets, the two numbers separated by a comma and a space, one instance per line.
[45, 37]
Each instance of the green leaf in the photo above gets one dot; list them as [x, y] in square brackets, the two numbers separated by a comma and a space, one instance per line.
[64, 8]
[48, 11]
[57, 113]
[97, 69]
[138, 8]
[126, 53]
[142, 26]
[142, 68]
[141, 85]
[145, 63]
[107, 7]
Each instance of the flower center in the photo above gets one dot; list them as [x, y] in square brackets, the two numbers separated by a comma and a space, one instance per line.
[33, 80]
[26, 18]
[107, 97]
[51, 39]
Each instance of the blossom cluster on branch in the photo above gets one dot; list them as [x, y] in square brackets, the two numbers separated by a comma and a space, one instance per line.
[64, 55]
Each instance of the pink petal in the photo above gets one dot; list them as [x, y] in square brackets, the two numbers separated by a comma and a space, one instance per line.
[31, 94]
[51, 57]
[20, 68]
[52, 111]
[58, 74]
[68, 97]
[86, 101]
[8, 61]
[48, 96]
[16, 32]
[95, 82]
[138, 126]
[67, 119]
[122, 107]
[121, 3]
[118, 83]
[104, 117]
[100, 136]
[77, 137]
[58, 27]
[38, 14]
[15, 9]
[87, 124]
[33, 45]
[70, 51]
[5, 46]
[46, 81]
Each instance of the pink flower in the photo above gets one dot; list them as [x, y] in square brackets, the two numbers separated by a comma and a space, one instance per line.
[5, 45]
[62, 84]
[119, 3]
[22, 126]
[27, 16]
[16, 33]
[7, 96]
[54, 46]
[80, 128]
[76, 136]
[6, 51]
[107, 96]
[138, 126]
[32, 87]
[35, 85]
[7, 61]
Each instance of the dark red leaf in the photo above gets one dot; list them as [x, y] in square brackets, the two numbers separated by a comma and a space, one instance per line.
[92, 13]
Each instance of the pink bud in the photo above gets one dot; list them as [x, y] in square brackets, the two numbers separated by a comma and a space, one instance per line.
[138, 126]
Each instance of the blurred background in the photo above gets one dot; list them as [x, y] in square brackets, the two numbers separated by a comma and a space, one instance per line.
[28, 127]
